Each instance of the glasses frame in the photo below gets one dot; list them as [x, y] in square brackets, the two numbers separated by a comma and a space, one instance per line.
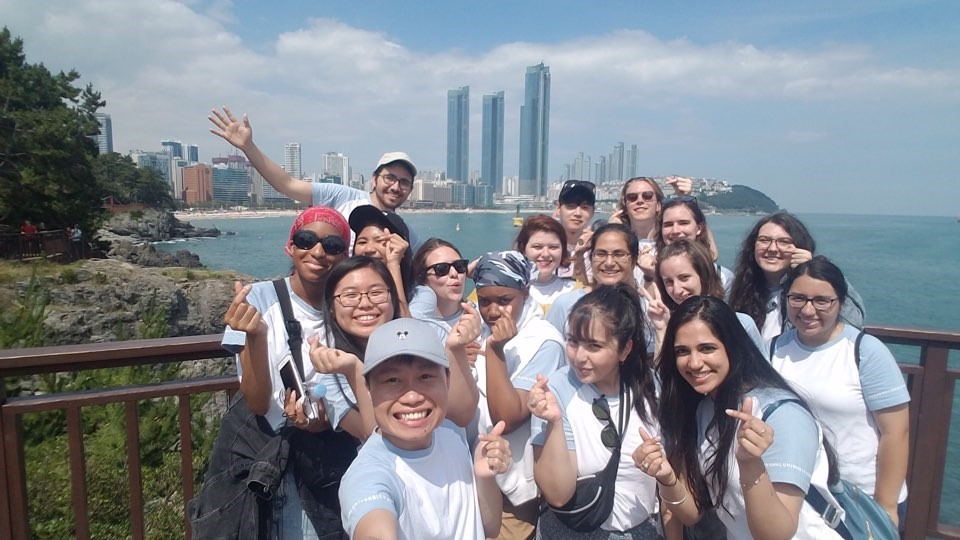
[390, 179]
[647, 196]
[463, 263]
[595, 255]
[764, 242]
[360, 296]
[332, 244]
[813, 301]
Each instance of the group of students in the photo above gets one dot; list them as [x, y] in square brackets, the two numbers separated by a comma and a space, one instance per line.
[620, 346]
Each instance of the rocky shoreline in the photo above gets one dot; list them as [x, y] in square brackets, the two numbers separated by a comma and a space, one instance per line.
[130, 236]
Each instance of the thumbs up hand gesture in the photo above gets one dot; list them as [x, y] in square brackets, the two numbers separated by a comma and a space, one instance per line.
[754, 435]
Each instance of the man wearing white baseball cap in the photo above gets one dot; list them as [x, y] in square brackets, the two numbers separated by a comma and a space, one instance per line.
[413, 478]
[392, 179]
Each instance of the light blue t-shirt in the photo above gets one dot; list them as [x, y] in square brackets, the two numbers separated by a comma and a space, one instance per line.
[344, 199]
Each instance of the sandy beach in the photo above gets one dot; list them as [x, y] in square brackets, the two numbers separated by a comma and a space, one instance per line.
[234, 214]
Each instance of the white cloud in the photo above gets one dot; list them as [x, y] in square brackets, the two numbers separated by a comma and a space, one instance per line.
[162, 64]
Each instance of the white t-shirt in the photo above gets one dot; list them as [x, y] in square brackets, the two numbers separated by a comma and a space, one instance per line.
[432, 492]
[264, 297]
[545, 293]
[344, 199]
[843, 397]
[635, 499]
[797, 457]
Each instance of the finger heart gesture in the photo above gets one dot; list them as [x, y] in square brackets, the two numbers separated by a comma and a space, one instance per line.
[754, 435]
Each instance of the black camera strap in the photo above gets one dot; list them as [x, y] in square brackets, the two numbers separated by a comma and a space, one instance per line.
[290, 322]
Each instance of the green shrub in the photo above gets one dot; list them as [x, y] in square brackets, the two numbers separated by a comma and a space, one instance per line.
[100, 278]
[69, 276]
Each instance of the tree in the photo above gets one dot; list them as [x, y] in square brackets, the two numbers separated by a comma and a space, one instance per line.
[46, 149]
[121, 179]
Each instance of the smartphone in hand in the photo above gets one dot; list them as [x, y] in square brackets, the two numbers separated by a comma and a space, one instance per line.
[292, 381]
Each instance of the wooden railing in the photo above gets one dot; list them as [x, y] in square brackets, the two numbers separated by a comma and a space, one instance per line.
[52, 245]
[931, 382]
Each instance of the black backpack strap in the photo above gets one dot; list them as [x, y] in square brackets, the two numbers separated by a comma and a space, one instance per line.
[294, 330]
[768, 410]
[828, 511]
[773, 347]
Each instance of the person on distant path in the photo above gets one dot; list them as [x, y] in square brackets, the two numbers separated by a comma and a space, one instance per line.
[256, 332]
[518, 346]
[385, 236]
[681, 217]
[76, 241]
[735, 436]
[28, 232]
[543, 241]
[858, 392]
[777, 243]
[575, 207]
[392, 179]
[414, 479]
[604, 395]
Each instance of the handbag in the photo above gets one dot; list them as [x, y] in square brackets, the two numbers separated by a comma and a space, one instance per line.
[857, 515]
[592, 500]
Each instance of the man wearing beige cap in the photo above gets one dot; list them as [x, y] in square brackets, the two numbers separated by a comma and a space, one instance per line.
[392, 179]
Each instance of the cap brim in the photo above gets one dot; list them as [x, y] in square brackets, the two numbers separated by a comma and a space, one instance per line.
[578, 193]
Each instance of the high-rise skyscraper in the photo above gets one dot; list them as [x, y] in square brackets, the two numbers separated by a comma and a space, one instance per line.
[458, 134]
[616, 163]
[338, 165]
[535, 131]
[105, 138]
[491, 164]
[174, 148]
[632, 161]
[291, 160]
[193, 153]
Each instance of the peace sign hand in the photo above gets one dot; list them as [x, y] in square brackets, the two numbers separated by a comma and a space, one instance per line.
[754, 435]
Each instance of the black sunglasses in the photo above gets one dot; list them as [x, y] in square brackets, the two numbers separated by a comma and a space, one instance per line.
[601, 410]
[678, 200]
[646, 195]
[306, 240]
[443, 268]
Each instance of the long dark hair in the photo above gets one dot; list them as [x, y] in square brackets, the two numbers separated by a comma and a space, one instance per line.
[542, 223]
[420, 259]
[749, 291]
[622, 203]
[702, 263]
[336, 337]
[690, 204]
[618, 309]
[748, 369]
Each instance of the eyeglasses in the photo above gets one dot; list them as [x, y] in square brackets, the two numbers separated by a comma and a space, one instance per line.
[764, 242]
[601, 410]
[352, 299]
[390, 179]
[645, 195]
[618, 256]
[306, 240]
[441, 269]
[682, 199]
[820, 303]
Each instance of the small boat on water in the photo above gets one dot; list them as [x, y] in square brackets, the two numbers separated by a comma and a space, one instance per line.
[517, 220]
[458, 227]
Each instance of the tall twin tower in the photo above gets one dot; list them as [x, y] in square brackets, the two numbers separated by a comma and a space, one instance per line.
[534, 135]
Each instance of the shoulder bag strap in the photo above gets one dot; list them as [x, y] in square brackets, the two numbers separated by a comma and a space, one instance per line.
[856, 348]
[294, 330]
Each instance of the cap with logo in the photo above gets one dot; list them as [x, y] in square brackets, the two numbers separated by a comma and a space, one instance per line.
[401, 337]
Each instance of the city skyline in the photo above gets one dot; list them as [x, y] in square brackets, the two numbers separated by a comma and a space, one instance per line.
[815, 104]
[491, 156]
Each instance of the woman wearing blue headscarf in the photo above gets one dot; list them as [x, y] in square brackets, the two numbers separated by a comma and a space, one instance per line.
[520, 345]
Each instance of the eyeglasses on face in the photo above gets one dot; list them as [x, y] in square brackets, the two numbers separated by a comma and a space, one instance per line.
[352, 299]
[441, 269]
[601, 410]
[618, 256]
[645, 195]
[391, 179]
[764, 242]
[820, 303]
[306, 240]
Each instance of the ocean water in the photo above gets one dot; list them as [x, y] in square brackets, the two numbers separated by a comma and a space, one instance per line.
[905, 268]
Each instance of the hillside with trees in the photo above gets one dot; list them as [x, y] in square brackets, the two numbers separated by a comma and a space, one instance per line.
[740, 199]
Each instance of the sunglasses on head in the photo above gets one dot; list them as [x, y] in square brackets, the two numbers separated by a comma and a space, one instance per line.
[683, 199]
[441, 269]
[306, 240]
[645, 195]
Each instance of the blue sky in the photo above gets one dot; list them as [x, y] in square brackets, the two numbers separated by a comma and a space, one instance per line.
[832, 106]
